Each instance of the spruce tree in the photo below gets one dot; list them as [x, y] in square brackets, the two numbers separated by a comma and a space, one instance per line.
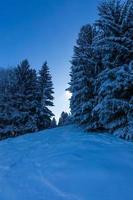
[82, 73]
[53, 123]
[116, 27]
[24, 99]
[7, 77]
[64, 119]
[101, 76]
[45, 97]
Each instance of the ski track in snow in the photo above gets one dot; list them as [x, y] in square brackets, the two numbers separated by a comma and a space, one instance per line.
[66, 164]
[56, 190]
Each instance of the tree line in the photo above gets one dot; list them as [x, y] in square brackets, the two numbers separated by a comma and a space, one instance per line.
[25, 99]
[102, 71]
[64, 119]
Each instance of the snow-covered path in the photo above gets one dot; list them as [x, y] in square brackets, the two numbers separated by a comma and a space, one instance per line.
[66, 164]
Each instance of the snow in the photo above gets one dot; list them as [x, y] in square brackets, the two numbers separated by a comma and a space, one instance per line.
[66, 164]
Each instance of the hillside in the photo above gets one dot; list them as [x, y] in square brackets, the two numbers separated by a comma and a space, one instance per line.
[66, 164]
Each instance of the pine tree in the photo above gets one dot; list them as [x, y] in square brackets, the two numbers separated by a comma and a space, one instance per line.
[114, 98]
[82, 73]
[24, 99]
[53, 123]
[6, 109]
[101, 76]
[115, 41]
[45, 88]
[116, 27]
[64, 119]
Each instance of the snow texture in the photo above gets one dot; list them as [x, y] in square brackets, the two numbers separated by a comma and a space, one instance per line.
[66, 164]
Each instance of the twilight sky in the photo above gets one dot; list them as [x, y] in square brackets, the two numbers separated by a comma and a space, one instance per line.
[42, 30]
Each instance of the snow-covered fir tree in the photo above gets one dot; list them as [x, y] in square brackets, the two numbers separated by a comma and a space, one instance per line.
[64, 119]
[82, 71]
[45, 97]
[6, 108]
[116, 43]
[116, 27]
[53, 123]
[114, 98]
[24, 99]
[103, 60]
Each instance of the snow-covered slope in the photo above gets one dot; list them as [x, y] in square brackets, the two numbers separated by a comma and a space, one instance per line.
[66, 164]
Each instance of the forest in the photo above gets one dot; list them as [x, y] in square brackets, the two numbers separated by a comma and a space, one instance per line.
[101, 81]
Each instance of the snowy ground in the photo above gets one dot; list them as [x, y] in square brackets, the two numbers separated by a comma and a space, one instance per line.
[66, 164]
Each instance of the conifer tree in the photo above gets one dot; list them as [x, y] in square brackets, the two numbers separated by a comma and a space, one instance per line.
[64, 119]
[82, 73]
[45, 97]
[53, 123]
[101, 76]
[24, 99]
[6, 109]
[115, 24]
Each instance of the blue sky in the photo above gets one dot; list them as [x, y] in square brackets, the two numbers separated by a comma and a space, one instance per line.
[42, 30]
